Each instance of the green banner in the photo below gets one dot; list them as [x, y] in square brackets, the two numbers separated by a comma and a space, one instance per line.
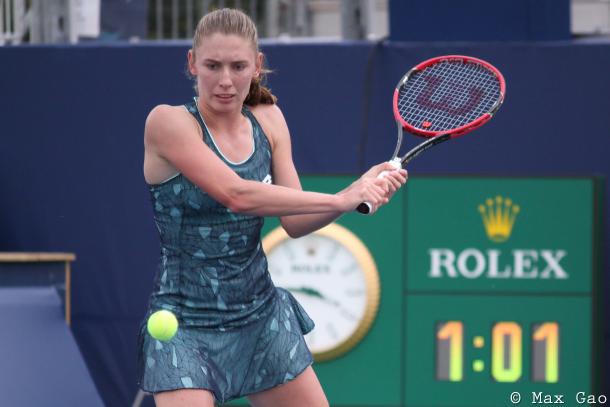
[500, 235]
[499, 291]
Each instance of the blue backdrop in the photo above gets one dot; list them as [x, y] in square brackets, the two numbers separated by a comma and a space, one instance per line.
[479, 20]
[71, 149]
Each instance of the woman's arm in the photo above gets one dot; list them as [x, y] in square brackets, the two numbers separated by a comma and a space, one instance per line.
[285, 174]
[172, 135]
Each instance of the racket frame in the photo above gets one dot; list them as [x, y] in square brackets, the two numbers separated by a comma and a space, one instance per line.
[434, 137]
[437, 137]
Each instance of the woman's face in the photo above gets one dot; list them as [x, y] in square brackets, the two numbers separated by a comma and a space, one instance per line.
[224, 66]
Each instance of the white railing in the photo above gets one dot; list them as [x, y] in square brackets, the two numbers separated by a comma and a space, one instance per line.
[48, 21]
[347, 19]
[12, 21]
[590, 17]
[65, 21]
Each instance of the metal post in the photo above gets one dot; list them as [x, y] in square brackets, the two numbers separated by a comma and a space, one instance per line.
[272, 18]
[174, 19]
[300, 18]
[189, 18]
[253, 10]
[47, 9]
[57, 34]
[70, 22]
[159, 17]
[2, 22]
[7, 16]
[367, 8]
[351, 28]
[19, 23]
[34, 21]
[205, 7]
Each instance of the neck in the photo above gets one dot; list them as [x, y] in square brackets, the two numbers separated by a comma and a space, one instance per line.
[226, 121]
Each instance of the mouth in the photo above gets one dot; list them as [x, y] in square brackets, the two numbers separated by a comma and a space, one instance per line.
[225, 97]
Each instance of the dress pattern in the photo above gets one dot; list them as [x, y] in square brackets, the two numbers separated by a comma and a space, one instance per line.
[238, 334]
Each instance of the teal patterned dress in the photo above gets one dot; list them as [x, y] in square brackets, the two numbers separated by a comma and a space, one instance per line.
[238, 334]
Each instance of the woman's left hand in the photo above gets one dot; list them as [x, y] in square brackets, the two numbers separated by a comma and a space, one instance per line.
[395, 177]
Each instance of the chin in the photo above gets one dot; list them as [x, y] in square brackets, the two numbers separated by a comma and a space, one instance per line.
[227, 107]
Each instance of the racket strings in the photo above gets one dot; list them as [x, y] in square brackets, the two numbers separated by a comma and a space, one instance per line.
[448, 95]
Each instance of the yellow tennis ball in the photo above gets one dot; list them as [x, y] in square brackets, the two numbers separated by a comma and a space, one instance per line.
[162, 325]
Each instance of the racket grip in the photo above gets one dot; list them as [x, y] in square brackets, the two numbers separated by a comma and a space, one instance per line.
[365, 207]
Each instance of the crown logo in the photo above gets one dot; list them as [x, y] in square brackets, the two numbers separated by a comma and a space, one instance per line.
[498, 218]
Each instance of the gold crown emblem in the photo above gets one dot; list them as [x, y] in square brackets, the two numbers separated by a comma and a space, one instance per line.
[498, 218]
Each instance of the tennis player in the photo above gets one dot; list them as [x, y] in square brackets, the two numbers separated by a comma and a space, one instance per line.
[215, 167]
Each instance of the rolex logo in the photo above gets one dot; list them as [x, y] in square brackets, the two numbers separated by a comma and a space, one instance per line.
[498, 218]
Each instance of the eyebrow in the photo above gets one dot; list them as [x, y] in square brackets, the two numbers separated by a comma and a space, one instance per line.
[220, 62]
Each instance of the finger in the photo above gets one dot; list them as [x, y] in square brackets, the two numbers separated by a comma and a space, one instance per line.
[373, 194]
[394, 182]
[381, 193]
[386, 185]
[397, 177]
[387, 166]
[381, 185]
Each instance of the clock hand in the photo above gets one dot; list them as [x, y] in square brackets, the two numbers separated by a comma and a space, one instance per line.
[312, 292]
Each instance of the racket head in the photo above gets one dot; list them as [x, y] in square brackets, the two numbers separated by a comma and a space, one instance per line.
[451, 94]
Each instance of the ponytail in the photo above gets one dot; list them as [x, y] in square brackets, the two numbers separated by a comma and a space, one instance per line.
[259, 94]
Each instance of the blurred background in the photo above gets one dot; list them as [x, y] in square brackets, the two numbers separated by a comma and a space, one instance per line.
[78, 245]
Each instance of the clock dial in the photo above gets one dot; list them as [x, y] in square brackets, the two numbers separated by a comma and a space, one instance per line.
[332, 274]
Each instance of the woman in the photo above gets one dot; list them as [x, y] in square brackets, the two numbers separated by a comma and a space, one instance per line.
[215, 167]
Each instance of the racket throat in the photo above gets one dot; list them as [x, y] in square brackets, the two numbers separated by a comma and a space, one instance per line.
[396, 162]
[398, 143]
[417, 150]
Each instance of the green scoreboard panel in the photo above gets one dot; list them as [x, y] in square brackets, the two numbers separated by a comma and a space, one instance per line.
[487, 289]
[501, 275]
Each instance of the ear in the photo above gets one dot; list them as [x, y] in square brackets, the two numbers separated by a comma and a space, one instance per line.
[191, 62]
[259, 64]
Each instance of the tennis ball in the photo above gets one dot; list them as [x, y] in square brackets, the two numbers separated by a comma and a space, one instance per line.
[162, 325]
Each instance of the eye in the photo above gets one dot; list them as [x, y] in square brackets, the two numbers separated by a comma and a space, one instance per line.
[211, 66]
[240, 66]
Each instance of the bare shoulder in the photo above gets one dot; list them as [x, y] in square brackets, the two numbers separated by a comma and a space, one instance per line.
[273, 122]
[164, 121]
[160, 114]
[268, 112]
[167, 130]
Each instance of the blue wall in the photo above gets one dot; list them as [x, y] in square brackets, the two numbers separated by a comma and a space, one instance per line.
[71, 149]
[479, 20]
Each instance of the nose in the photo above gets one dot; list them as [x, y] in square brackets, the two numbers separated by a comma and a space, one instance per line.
[225, 78]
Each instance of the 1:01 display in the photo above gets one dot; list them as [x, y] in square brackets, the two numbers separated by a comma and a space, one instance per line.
[506, 351]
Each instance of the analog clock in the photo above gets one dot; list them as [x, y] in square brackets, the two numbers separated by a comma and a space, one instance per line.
[334, 277]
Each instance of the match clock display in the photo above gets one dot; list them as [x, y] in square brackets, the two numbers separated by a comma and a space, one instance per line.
[334, 277]
[500, 291]
[492, 346]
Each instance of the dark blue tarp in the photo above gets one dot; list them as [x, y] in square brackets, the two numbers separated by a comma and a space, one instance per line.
[41, 364]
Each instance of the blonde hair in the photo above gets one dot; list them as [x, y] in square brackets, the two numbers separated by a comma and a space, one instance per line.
[235, 22]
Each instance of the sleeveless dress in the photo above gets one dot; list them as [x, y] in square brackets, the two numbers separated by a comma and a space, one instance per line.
[238, 334]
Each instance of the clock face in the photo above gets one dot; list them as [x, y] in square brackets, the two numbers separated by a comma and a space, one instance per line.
[333, 276]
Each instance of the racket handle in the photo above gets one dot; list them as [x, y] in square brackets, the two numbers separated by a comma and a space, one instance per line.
[365, 207]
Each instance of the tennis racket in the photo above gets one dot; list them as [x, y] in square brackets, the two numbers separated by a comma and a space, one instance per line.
[443, 98]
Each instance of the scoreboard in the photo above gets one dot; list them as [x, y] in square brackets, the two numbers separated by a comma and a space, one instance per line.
[500, 290]
[488, 293]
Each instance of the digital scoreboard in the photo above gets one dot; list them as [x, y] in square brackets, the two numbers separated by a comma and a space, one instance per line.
[500, 291]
